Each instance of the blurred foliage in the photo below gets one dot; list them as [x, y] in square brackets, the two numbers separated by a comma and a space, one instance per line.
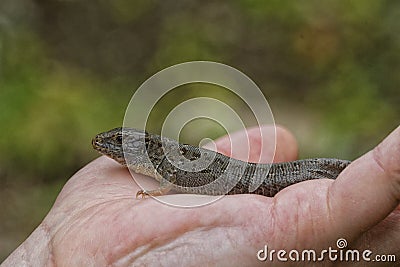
[330, 71]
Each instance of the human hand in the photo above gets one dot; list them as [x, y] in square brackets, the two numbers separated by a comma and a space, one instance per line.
[96, 220]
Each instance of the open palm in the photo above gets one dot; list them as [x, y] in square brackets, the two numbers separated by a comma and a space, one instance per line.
[97, 221]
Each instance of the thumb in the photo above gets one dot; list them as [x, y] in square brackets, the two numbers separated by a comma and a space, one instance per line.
[368, 190]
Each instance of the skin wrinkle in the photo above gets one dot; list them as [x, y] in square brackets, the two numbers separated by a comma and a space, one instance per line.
[321, 209]
[377, 154]
[83, 220]
[274, 222]
[46, 229]
[325, 218]
[133, 255]
[386, 170]
[56, 235]
[328, 199]
[258, 207]
[314, 225]
[111, 253]
[282, 219]
[98, 254]
[279, 239]
[377, 157]
[126, 236]
[95, 184]
[230, 233]
[155, 243]
[92, 183]
[226, 236]
[85, 189]
[297, 213]
[170, 244]
[26, 257]
[160, 243]
[242, 226]
[367, 239]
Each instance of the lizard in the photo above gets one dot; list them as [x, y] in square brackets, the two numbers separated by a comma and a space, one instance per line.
[190, 169]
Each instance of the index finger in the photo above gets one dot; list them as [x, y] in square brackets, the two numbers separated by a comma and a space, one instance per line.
[278, 144]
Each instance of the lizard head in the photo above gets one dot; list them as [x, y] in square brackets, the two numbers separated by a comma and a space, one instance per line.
[110, 144]
[131, 147]
[116, 142]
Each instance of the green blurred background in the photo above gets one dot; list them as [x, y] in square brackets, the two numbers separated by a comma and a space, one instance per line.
[330, 71]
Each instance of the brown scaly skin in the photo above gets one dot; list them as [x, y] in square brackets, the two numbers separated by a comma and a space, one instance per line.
[190, 169]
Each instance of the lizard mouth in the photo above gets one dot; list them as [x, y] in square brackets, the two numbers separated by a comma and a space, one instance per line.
[97, 144]
[100, 145]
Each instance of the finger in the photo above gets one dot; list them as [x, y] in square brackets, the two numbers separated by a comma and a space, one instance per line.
[257, 144]
[368, 190]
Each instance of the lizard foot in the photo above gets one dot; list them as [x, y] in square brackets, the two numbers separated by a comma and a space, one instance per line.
[142, 194]
[157, 192]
